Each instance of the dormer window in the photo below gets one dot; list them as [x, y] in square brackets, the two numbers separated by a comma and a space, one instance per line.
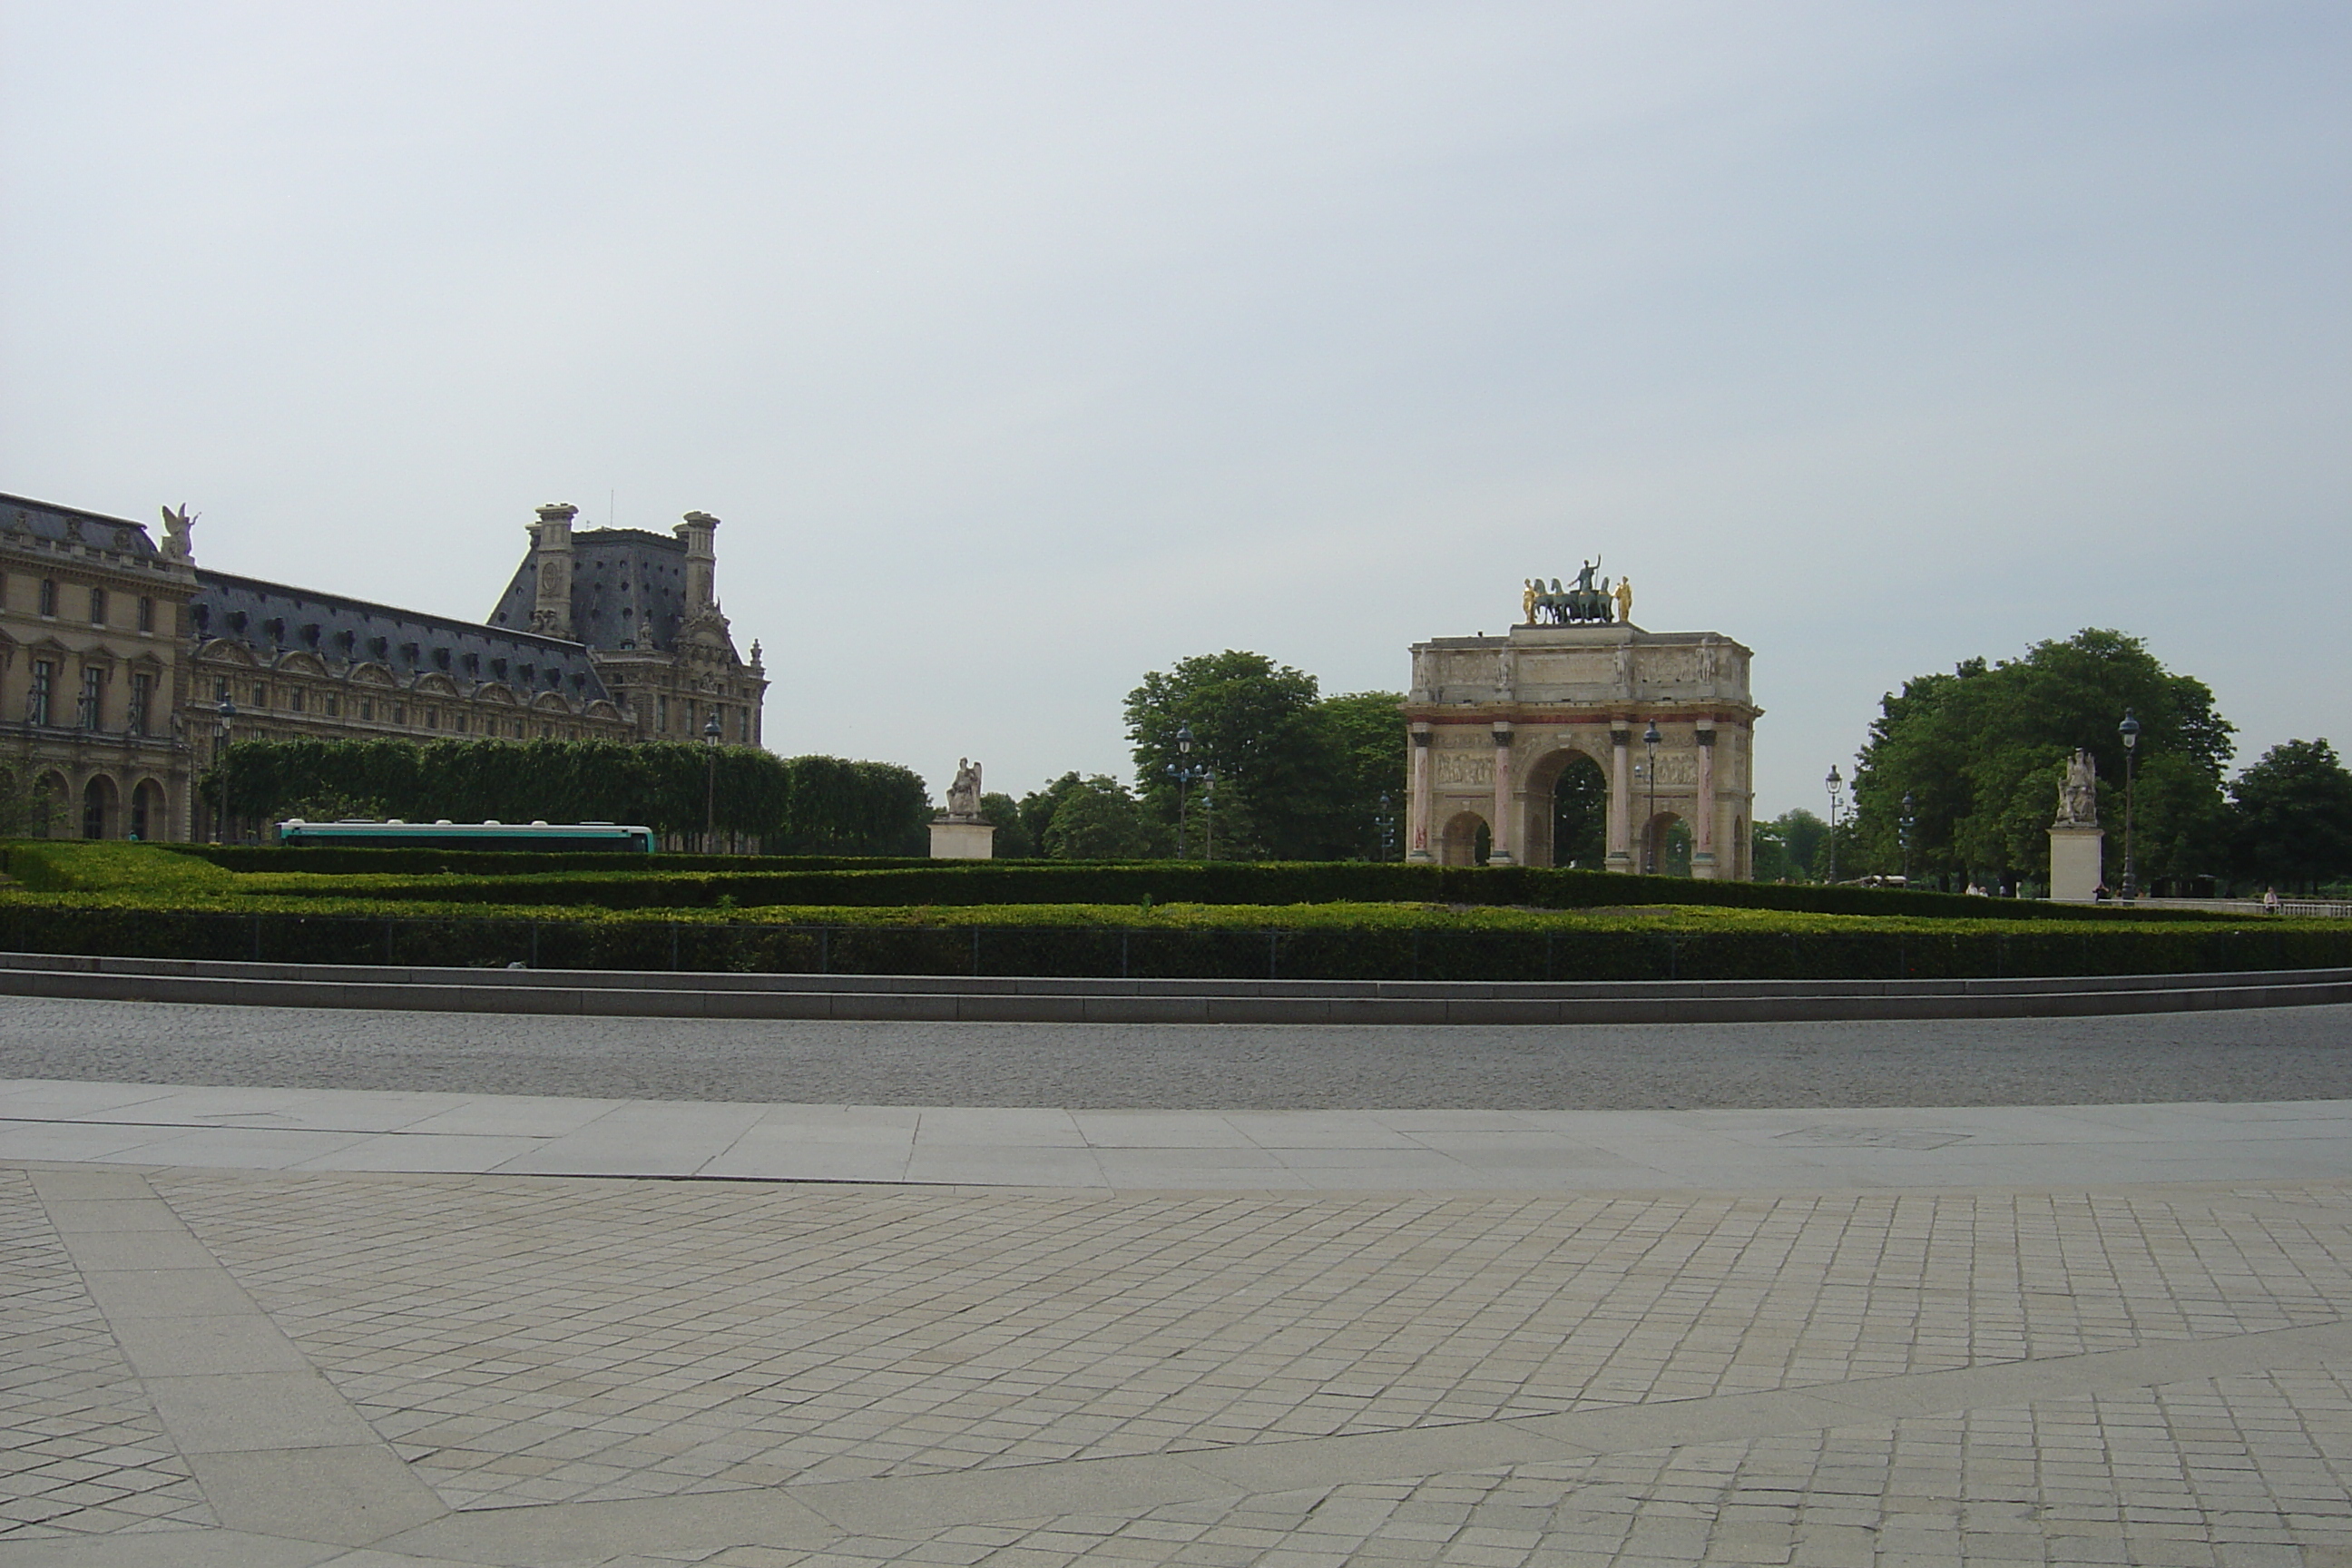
[237, 620]
[440, 659]
[275, 626]
[377, 647]
[498, 669]
[310, 634]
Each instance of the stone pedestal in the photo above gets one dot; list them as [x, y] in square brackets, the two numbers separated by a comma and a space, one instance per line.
[954, 838]
[2077, 864]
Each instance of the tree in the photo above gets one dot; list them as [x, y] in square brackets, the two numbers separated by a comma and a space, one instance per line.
[1361, 740]
[1013, 839]
[2291, 818]
[1981, 751]
[1253, 722]
[1792, 848]
[1037, 807]
[1098, 820]
[1299, 777]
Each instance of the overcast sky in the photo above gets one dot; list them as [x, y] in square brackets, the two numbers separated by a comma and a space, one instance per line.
[1024, 348]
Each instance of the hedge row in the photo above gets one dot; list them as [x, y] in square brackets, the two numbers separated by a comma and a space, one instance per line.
[664, 886]
[1384, 953]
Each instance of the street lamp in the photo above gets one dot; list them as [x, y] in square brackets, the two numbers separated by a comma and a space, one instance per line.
[1651, 737]
[1184, 772]
[1208, 813]
[223, 831]
[710, 779]
[1908, 821]
[1835, 783]
[1387, 826]
[2129, 730]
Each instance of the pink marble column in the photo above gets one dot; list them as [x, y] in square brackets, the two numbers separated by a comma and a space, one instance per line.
[1620, 800]
[1500, 852]
[1417, 812]
[1703, 865]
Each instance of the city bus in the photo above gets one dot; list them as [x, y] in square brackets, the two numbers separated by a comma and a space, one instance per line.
[593, 837]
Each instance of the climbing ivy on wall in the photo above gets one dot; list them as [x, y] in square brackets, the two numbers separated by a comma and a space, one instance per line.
[795, 805]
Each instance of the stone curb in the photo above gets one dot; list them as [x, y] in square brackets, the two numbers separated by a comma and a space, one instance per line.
[931, 998]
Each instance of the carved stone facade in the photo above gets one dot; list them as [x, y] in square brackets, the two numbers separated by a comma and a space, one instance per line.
[93, 670]
[1497, 721]
[116, 656]
[646, 606]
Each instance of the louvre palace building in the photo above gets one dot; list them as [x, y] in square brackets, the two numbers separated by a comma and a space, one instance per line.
[124, 664]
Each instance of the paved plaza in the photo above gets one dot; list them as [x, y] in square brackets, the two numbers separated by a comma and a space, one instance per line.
[320, 1322]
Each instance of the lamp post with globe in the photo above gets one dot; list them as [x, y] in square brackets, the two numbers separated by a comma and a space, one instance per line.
[1835, 783]
[2129, 730]
[224, 825]
[1650, 833]
[710, 779]
[1909, 821]
[1185, 772]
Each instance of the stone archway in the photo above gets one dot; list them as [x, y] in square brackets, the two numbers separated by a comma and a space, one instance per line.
[1465, 840]
[1662, 846]
[148, 810]
[100, 800]
[1567, 796]
[49, 814]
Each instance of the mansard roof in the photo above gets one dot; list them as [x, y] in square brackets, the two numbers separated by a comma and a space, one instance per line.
[271, 617]
[620, 577]
[60, 524]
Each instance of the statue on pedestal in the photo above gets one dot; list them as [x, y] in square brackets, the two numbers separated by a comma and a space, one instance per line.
[963, 795]
[2078, 796]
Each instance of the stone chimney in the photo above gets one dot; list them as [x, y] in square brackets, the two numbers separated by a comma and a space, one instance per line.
[551, 560]
[700, 532]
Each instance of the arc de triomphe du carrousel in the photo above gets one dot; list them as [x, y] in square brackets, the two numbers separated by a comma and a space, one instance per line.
[1498, 722]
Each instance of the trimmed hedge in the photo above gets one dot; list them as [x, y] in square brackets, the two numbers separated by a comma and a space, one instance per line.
[1535, 950]
[929, 883]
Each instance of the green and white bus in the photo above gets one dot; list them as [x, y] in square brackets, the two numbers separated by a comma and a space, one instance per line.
[591, 838]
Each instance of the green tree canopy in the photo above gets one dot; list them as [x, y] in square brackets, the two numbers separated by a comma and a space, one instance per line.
[2291, 818]
[1253, 722]
[1299, 776]
[1098, 820]
[1981, 751]
[1013, 839]
[1360, 742]
[1792, 848]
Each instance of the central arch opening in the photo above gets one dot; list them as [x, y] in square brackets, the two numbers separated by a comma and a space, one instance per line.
[1568, 816]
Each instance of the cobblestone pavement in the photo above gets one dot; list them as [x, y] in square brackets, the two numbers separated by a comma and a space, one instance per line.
[2288, 1052]
[2215, 1473]
[213, 1366]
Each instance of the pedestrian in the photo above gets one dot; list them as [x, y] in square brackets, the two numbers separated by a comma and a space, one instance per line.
[2270, 900]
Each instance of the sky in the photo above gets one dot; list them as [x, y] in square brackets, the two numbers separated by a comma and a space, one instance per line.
[1024, 348]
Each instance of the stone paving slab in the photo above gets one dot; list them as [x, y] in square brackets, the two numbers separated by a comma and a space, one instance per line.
[1851, 1353]
[1567, 1151]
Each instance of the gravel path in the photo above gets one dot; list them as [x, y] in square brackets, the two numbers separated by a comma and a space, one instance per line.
[2288, 1052]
